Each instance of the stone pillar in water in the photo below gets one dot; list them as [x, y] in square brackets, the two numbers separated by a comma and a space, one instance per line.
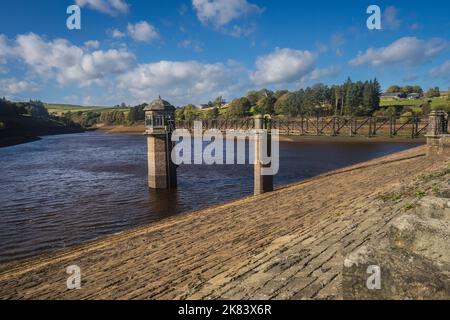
[263, 183]
[160, 123]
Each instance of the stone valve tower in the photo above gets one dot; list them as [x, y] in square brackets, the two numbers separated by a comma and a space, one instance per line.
[159, 126]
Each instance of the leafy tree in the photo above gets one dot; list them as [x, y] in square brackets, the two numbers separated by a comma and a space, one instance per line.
[179, 114]
[191, 112]
[239, 108]
[278, 94]
[132, 116]
[433, 93]
[36, 109]
[188, 113]
[371, 97]
[212, 114]
[281, 104]
[394, 89]
[353, 97]
[266, 105]
[218, 102]
[292, 104]
[113, 117]
[136, 114]
[338, 96]
[255, 96]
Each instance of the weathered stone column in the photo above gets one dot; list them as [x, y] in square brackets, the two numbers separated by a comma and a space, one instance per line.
[263, 183]
[162, 172]
[436, 129]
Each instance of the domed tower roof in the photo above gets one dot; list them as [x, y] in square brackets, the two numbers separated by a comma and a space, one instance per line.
[159, 105]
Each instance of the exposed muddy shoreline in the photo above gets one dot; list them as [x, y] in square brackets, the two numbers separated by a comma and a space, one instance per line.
[140, 129]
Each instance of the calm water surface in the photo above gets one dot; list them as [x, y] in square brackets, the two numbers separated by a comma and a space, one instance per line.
[65, 190]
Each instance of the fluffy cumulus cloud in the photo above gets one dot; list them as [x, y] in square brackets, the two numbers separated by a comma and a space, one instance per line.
[409, 50]
[284, 66]
[92, 44]
[221, 12]
[442, 71]
[68, 63]
[183, 81]
[12, 86]
[118, 73]
[116, 34]
[5, 49]
[142, 32]
[110, 7]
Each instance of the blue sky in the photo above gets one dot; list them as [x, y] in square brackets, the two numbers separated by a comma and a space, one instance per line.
[191, 51]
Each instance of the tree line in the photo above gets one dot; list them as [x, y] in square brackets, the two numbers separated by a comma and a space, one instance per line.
[406, 90]
[351, 98]
[35, 109]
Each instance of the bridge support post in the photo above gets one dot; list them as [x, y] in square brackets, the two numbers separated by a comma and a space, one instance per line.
[437, 136]
[263, 183]
[162, 173]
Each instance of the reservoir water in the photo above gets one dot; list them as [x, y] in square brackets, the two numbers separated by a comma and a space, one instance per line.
[66, 190]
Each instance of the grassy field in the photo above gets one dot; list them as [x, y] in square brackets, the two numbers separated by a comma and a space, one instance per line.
[63, 108]
[413, 103]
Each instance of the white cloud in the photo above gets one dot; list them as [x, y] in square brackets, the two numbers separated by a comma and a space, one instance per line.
[240, 31]
[121, 79]
[69, 63]
[191, 44]
[117, 34]
[12, 86]
[284, 66]
[111, 7]
[142, 32]
[409, 50]
[442, 71]
[221, 12]
[92, 44]
[183, 81]
[5, 49]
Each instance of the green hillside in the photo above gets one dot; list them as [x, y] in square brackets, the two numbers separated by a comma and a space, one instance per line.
[64, 108]
[435, 102]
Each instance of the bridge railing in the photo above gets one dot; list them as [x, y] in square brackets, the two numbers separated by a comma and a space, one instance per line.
[412, 127]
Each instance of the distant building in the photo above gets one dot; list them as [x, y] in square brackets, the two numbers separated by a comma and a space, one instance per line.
[414, 96]
[395, 95]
